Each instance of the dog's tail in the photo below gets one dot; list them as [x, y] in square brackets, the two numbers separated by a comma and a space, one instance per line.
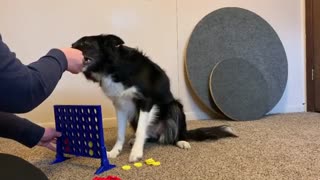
[210, 133]
[207, 133]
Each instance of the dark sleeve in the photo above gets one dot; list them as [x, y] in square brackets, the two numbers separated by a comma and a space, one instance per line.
[24, 87]
[19, 129]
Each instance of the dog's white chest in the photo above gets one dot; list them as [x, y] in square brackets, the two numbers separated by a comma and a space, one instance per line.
[116, 91]
[111, 88]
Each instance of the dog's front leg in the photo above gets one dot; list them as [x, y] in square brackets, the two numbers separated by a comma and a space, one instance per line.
[122, 123]
[145, 119]
[137, 149]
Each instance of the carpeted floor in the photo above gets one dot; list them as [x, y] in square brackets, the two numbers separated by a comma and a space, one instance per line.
[283, 146]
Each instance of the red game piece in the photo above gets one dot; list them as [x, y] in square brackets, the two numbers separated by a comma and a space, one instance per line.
[113, 178]
[67, 149]
[66, 141]
[106, 178]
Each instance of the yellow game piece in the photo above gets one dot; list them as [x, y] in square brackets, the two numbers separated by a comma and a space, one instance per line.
[126, 167]
[90, 144]
[149, 161]
[138, 164]
[91, 152]
[156, 163]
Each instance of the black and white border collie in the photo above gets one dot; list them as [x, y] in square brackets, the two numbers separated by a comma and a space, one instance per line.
[140, 92]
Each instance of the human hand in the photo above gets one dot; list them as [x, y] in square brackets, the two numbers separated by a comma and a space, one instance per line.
[49, 138]
[75, 59]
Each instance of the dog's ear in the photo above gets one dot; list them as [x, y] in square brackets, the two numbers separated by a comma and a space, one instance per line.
[111, 40]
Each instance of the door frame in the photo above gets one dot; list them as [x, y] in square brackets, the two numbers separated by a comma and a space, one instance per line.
[309, 56]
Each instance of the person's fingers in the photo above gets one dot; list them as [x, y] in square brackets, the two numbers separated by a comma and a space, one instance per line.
[51, 147]
[57, 134]
[54, 141]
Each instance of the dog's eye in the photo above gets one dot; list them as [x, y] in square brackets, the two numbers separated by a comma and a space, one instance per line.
[87, 60]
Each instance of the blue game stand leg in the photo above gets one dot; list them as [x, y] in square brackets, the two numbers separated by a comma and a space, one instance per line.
[105, 165]
[59, 159]
[59, 156]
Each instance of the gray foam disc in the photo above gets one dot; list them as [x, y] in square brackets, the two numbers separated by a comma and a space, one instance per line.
[239, 89]
[235, 33]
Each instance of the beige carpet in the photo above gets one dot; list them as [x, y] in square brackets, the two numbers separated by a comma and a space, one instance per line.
[277, 147]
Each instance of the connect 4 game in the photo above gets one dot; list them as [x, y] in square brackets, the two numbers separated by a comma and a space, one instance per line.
[82, 133]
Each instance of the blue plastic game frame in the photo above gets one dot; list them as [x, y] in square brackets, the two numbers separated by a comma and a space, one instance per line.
[82, 133]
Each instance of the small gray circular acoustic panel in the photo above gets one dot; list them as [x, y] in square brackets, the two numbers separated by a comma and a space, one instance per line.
[239, 89]
[235, 33]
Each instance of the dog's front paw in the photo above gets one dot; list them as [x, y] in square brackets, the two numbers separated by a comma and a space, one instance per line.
[183, 145]
[135, 155]
[113, 153]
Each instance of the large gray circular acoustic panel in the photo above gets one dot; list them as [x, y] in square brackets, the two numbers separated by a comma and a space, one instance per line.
[239, 89]
[235, 33]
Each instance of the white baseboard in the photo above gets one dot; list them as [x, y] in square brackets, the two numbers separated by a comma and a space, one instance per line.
[200, 115]
[288, 109]
[107, 122]
[112, 121]
[196, 115]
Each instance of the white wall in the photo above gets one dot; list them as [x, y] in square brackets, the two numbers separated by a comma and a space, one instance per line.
[160, 28]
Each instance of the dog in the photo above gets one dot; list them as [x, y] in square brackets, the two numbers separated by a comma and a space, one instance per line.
[140, 92]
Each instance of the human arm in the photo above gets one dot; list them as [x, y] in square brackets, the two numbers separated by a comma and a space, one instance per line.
[20, 129]
[25, 87]
[27, 132]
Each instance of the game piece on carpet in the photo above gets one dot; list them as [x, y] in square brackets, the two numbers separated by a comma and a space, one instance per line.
[106, 178]
[137, 164]
[126, 167]
[152, 162]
